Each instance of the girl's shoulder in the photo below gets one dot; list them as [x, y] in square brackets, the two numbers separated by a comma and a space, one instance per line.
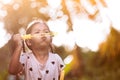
[26, 54]
[59, 60]
[54, 55]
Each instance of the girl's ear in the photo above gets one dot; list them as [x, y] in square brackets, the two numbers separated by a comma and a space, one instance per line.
[28, 42]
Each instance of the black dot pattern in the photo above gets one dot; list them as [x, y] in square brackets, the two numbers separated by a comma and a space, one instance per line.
[28, 57]
[47, 71]
[30, 69]
[39, 79]
[23, 64]
[53, 78]
[53, 62]
[61, 65]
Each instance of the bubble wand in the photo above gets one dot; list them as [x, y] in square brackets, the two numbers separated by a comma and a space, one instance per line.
[29, 36]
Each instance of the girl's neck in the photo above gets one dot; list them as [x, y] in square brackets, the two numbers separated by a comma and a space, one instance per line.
[41, 55]
[40, 52]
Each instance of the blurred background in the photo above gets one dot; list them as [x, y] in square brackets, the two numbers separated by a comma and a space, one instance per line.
[88, 34]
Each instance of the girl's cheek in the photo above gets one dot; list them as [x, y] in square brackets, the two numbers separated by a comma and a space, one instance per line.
[49, 38]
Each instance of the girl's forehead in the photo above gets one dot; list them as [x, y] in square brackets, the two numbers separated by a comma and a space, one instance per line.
[37, 25]
[40, 26]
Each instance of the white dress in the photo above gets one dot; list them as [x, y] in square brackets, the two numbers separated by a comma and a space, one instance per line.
[34, 70]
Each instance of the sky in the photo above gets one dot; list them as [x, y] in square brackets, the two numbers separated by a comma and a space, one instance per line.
[86, 33]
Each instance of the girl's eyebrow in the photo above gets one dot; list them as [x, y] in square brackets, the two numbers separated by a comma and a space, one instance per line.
[46, 30]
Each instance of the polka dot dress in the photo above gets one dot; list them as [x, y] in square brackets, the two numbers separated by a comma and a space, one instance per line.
[34, 70]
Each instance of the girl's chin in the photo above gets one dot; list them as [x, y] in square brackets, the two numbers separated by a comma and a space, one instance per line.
[43, 45]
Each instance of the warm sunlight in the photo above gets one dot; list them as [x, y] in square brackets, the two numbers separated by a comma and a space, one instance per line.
[4, 37]
[113, 13]
[5, 1]
[86, 33]
[89, 34]
[68, 59]
[54, 4]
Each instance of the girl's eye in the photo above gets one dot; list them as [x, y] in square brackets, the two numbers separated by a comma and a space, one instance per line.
[37, 32]
[46, 32]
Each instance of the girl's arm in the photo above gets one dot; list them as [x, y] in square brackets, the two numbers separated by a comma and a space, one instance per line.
[15, 66]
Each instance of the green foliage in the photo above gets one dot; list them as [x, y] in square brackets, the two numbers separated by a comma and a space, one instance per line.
[3, 74]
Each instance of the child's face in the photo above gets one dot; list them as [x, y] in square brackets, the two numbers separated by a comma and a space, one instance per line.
[40, 39]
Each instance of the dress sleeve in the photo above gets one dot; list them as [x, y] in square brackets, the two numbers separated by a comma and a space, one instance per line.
[61, 64]
[23, 58]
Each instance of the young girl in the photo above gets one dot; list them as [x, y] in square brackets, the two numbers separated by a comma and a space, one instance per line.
[39, 63]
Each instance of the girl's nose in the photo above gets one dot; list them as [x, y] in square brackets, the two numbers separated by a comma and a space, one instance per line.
[45, 34]
[42, 34]
[43, 37]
